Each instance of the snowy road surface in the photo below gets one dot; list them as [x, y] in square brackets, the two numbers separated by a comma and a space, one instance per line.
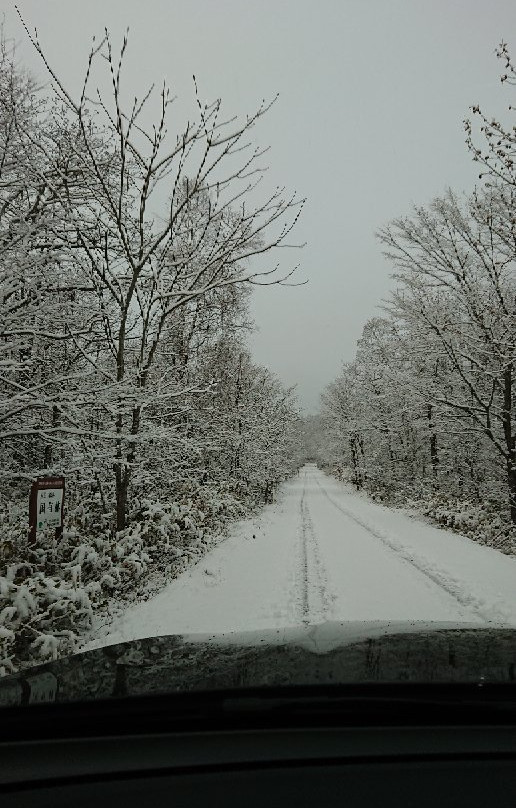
[324, 553]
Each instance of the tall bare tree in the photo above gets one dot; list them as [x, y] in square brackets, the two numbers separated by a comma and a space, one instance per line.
[214, 231]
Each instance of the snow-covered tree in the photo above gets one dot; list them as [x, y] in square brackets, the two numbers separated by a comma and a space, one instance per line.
[456, 281]
[127, 254]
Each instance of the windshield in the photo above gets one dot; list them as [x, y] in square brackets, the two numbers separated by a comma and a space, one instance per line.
[257, 333]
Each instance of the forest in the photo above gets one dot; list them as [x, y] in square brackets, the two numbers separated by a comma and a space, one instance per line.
[424, 415]
[127, 256]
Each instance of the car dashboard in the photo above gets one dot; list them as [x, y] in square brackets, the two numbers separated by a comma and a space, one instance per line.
[389, 745]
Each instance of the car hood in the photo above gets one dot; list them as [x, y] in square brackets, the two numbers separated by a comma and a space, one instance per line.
[338, 653]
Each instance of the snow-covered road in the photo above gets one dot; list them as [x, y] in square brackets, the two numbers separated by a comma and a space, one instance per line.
[323, 553]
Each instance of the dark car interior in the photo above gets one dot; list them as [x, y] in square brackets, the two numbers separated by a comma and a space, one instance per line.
[351, 745]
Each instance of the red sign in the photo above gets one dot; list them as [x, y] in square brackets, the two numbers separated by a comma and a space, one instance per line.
[46, 503]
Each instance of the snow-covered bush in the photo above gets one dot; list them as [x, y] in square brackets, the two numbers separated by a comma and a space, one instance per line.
[48, 593]
[480, 521]
[40, 616]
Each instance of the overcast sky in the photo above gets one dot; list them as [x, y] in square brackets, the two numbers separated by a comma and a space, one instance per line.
[369, 121]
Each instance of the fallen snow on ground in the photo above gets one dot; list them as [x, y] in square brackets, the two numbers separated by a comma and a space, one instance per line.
[320, 554]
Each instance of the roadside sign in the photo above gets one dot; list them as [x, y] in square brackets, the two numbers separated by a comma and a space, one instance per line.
[46, 506]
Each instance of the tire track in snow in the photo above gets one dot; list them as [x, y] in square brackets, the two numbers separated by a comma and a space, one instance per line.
[303, 564]
[436, 576]
[314, 599]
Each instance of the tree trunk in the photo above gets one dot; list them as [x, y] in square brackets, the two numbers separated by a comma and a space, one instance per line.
[511, 478]
[510, 440]
[122, 485]
[121, 476]
[49, 454]
[363, 472]
[434, 457]
[356, 473]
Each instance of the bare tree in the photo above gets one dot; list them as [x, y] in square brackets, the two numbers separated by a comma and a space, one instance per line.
[145, 268]
[456, 280]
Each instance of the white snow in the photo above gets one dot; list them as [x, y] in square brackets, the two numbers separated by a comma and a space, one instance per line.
[322, 554]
